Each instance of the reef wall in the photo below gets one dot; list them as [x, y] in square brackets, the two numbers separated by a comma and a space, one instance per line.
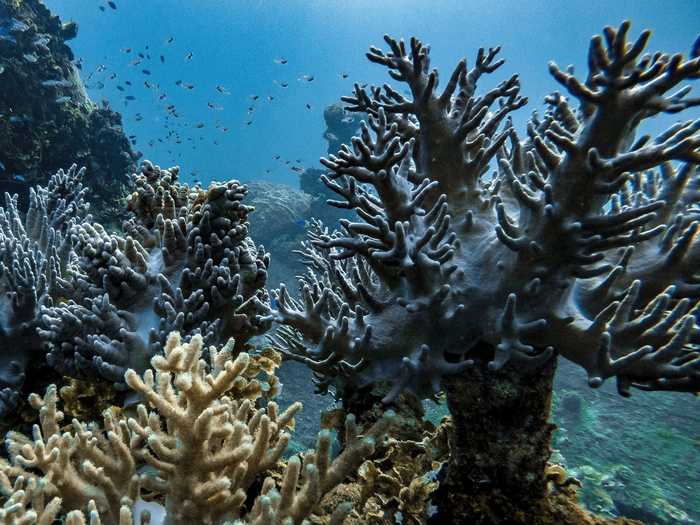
[47, 120]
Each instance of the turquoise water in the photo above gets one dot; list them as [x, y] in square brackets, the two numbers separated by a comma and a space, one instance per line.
[234, 43]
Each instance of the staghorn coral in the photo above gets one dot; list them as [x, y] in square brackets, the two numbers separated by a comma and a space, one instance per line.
[207, 446]
[580, 243]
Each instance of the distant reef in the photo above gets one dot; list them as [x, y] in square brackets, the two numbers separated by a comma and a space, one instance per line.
[47, 120]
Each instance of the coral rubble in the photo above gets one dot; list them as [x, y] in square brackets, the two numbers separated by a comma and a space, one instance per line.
[581, 243]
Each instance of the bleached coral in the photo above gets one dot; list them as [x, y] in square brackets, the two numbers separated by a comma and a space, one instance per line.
[207, 448]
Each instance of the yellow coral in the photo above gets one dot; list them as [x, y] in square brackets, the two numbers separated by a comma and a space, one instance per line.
[206, 443]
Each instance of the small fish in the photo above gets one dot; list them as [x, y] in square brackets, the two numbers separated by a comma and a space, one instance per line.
[254, 97]
[130, 97]
[56, 83]
[141, 55]
[102, 8]
[270, 98]
[112, 76]
[280, 61]
[308, 78]
[170, 40]
[100, 85]
[223, 90]
[343, 75]
[30, 57]
[200, 125]
[120, 88]
[126, 50]
[163, 96]
[188, 86]
[178, 82]
[249, 123]
[132, 136]
[61, 100]
[284, 85]
[138, 117]
[162, 59]
[215, 107]
[308, 106]
[135, 62]
[2, 166]
[2, 69]
[112, 5]
[189, 56]
[276, 157]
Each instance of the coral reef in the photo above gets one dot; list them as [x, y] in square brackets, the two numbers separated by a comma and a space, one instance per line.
[581, 243]
[47, 120]
[92, 304]
[208, 447]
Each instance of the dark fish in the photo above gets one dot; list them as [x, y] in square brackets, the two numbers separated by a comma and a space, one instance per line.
[102, 8]
[343, 75]
[130, 97]
[200, 125]
[112, 76]
[112, 4]
[189, 56]
[178, 82]
[128, 83]
[146, 71]
[284, 84]
[120, 88]
[162, 96]
[170, 40]
[254, 97]
[308, 106]
[223, 90]
[162, 59]
[276, 157]
[141, 55]
[249, 123]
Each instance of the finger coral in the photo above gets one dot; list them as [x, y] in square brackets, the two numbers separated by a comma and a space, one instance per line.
[198, 447]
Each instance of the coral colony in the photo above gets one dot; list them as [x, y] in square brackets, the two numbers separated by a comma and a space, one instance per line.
[455, 278]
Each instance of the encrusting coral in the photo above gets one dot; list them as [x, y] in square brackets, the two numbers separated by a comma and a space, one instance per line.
[198, 448]
[581, 243]
[91, 304]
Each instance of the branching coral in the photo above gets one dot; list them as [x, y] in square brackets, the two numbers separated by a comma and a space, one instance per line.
[206, 444]
[185, 264]
[36, 263]
[104, 302]
[581, 242]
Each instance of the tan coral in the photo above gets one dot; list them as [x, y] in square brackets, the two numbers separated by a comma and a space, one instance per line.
[207, 446]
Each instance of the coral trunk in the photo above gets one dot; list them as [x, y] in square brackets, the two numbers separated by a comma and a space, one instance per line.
[500, 445]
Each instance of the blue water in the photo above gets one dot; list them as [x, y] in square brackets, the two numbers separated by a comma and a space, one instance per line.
[235, 43]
